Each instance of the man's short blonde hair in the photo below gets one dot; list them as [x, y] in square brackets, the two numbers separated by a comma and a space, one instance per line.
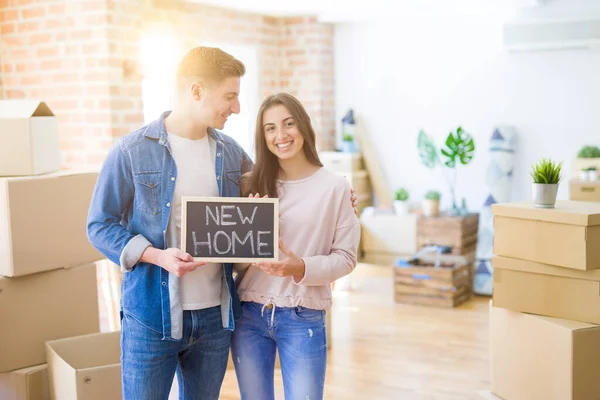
[209, 64]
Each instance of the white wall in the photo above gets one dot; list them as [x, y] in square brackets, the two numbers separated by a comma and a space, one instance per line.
[403, 75]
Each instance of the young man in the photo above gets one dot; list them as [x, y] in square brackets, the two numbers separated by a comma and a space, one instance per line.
[177, 314]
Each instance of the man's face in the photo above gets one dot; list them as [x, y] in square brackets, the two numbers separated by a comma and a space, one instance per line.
[218, 102]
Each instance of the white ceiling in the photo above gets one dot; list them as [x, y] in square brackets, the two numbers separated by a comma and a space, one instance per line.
[348, 10]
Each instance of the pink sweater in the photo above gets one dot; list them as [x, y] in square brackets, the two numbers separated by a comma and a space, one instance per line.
[319, 225]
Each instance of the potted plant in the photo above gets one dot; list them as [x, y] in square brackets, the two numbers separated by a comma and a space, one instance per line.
[458, 149]
[589, 152]
[348, 143]
[401, 201]
[546, 178]
[431, 203]
[588, 156]
[588, 174]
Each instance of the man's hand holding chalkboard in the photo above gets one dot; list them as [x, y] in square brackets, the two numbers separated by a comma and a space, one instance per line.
[174, 260]
[292, 265]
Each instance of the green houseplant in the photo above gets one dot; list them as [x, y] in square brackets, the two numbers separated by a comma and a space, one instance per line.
[348, 143]
[589, 152]
[431, 203]
[401, 197]
[546, 176]
[459, 148]
[588, 174]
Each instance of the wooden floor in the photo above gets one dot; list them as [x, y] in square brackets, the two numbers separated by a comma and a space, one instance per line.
[382, 350]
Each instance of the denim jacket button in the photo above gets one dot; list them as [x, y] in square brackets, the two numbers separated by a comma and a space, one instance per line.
[218, 177]
[168, 204]
[172, 178]
[218, 154]
[164, 283]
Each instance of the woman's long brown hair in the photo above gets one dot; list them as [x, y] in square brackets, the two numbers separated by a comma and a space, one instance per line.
[263, 178]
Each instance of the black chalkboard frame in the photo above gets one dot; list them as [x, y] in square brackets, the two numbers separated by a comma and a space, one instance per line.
[231, 200]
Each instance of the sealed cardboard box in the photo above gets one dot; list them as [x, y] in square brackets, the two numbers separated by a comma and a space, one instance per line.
[584, 190]
[29, 137]
[25, 384]
[535, 357]
[45, 306]
[544, 289]
[567, 235]
[85, 367]
[43, 222]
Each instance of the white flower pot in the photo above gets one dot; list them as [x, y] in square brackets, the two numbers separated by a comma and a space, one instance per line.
[544, 195]
[592, 175]
[583, 175]
[431, 208]
[401, 207]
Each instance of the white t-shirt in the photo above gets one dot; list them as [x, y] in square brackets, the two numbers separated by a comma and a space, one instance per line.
[196, 176]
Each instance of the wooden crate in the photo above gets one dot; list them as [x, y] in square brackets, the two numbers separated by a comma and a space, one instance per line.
[445, 285]
[460, 233]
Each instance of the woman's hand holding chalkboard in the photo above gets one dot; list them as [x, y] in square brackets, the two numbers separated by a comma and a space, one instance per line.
[256, 196]
[178, 262]
[290, 266]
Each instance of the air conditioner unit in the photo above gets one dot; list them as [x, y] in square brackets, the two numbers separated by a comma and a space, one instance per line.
[548, 35]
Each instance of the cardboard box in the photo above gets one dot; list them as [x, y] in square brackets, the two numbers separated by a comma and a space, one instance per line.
[584, 190]
[29, 137]
[544, 289]
[534, 357]
[382, 231]
[583, 163]
[25, 384]
[85, 367]
[45, 306]
[43, 222]
[360, 182]
[567, 235]
[342, 162]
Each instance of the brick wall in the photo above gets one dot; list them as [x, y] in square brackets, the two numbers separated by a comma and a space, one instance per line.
[55, 50]
[82, 57]
[307, 72]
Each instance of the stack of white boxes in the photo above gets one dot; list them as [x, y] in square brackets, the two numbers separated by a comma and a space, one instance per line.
[48, 284]
[545, 316]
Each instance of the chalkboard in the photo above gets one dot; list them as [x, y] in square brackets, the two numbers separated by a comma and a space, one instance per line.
[226, 229]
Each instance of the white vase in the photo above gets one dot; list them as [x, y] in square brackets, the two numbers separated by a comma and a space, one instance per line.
[592, 175]
[544, 195]
[431, 208]
[583, 175]
[401, 207]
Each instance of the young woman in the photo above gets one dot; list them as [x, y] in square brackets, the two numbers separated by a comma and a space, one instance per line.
[284, 302]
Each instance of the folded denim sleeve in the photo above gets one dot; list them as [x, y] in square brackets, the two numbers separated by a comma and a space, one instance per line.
[111, 198]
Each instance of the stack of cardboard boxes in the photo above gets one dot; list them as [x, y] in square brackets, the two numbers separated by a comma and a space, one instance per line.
[48, 284]
[351, 166]
[545, 312]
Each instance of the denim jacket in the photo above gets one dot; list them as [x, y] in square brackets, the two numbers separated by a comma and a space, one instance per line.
[130, 210]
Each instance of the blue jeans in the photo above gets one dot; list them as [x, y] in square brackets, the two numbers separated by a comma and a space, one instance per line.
[149, 363]
[298, 334]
